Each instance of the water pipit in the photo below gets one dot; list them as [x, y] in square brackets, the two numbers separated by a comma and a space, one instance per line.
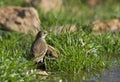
[39, 48]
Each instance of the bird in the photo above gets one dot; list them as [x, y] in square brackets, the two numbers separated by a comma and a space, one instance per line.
[39, 47]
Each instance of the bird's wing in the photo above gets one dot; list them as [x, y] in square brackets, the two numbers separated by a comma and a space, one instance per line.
[39, 48]
[51, 51]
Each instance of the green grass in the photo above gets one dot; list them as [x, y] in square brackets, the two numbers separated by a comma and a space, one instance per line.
[80, 52]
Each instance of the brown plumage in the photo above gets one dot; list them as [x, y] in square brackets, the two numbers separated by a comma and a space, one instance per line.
[39, 46]
[52, 52]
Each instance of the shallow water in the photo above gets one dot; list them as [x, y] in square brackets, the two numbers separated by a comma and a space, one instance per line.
[108, 75]
[112, 74]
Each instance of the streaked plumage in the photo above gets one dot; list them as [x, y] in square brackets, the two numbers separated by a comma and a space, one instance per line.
[52, 52]
[39, 46]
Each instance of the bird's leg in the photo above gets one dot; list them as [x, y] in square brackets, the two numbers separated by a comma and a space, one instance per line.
[41, 65]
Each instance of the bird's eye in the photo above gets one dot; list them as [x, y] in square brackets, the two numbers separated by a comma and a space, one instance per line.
[44, 32]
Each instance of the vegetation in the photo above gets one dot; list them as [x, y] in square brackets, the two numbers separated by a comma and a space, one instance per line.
[80, 52]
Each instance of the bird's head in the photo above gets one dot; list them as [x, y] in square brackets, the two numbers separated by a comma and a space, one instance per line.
[42, 34]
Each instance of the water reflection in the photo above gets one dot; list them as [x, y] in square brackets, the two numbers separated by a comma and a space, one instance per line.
[107, 75]
[111, 75]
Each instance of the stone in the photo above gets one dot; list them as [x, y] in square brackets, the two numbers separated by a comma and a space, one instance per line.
[20, 19]
[112, 25]
[63, 29]
[41, 72]
[92, 3]
[45, 5]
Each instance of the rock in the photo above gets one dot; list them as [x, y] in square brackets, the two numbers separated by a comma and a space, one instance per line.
[63, 29]
[112, 25]
[92, 3]
[41, 72]
[45, 5]
[19, 19]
